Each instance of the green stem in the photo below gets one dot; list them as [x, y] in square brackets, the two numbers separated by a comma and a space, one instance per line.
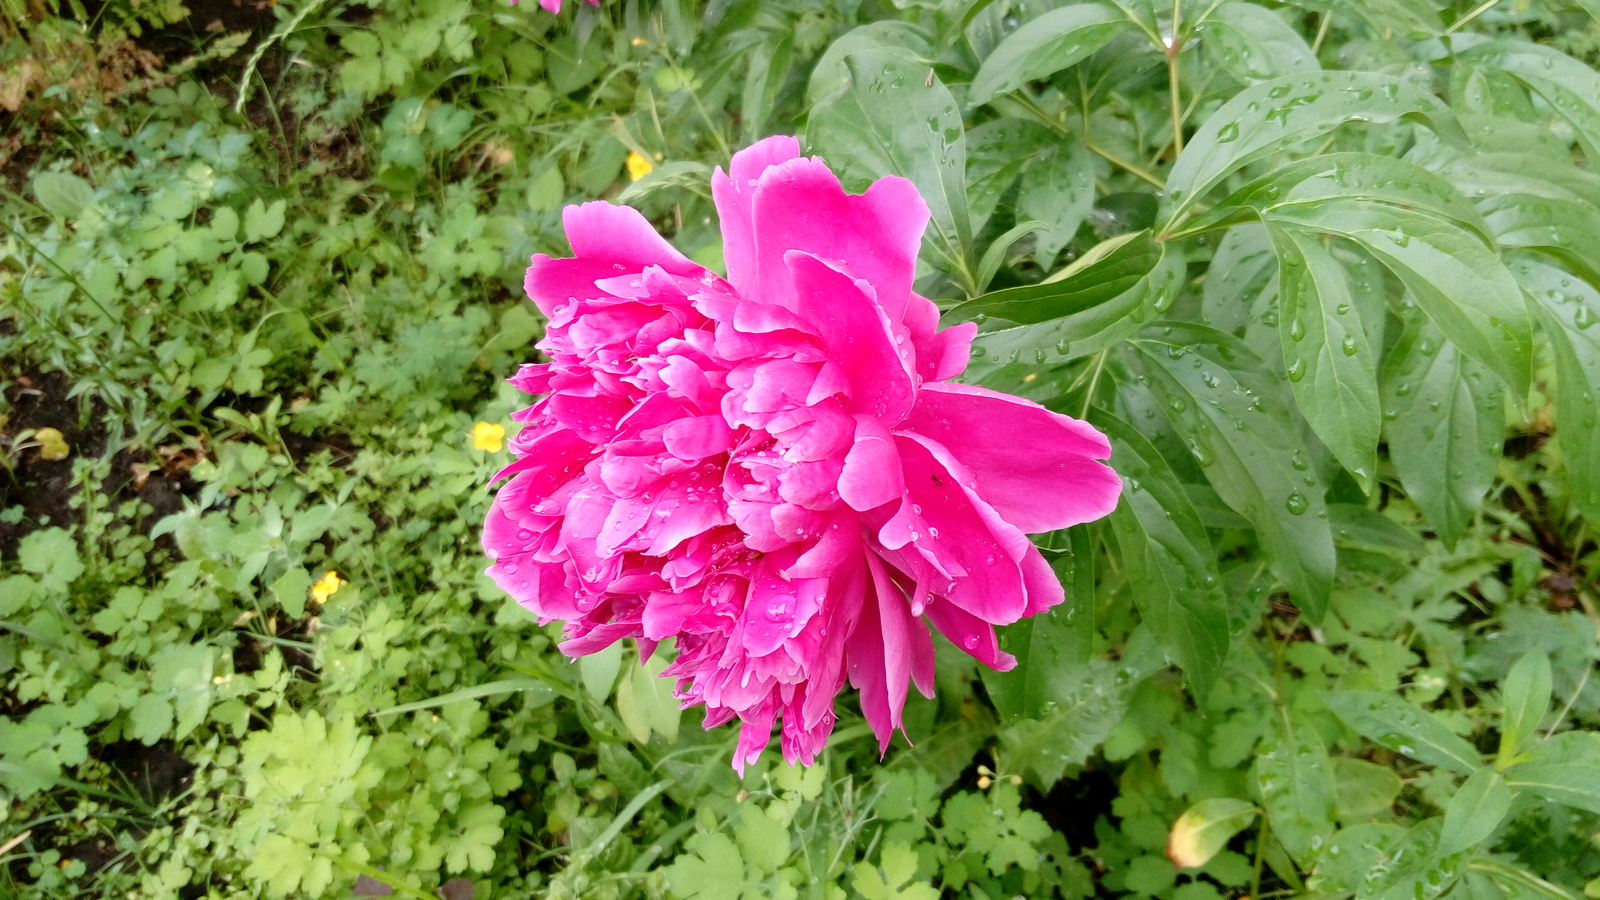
[1482, 8]
[1174, 48]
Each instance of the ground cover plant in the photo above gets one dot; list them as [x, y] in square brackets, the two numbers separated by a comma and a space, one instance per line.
[1323, 272]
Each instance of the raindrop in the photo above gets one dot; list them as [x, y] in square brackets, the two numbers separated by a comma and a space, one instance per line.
[1297, 503]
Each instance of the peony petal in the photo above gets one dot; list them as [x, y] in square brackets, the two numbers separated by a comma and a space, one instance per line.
[621, 235]
[871, 475]
[698, 437]
[1037, 468]
[800, 205]
[734, 194]
[859, 339]
[951, 527]
[973, 635]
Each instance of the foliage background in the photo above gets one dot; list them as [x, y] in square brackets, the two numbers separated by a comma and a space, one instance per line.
[1325, 272]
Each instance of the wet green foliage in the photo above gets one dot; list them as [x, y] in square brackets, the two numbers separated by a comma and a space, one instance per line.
[1323, 271]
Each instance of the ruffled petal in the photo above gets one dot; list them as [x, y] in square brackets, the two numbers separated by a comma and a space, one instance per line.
[734, 194]
[800, 205]
[622, 236]
[858, 336]
[1038, 469]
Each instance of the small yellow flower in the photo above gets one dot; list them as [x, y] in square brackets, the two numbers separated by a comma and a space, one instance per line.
[52, 444]
[326, 587]
[639, 42]
[488, 436]
[638, 166]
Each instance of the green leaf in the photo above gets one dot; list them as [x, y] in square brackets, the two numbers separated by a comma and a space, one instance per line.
[1359, 528]
[1405, 18]
[1353, 853]
[1444, 421]
[997, 152]
[1102, 324]
[710, 869]
[291, 589]
[1331, 366]
[891, 119]
[150, 719]
[1568, 309]
[1391, 722]
[645, 702]
[52, 554]
[1460, 283]
[1362, 789]
[1205, 828]
[1108, 271]
[1052, 648]
[763, 838]
[1087, 705]
[1570, 86]
[1417, 870]
[1168, 558]
[599, 671]
[1276, 115]
[1046, 45]
[1562, 228]
[830, 75]
[62, 194]
[1505, 875]
[262, 221]
[1476, 810]
[1564, 769]
[1230, 411]
[1349, 177]
[893, 878]
[1243, 268]
[182, 674]
[1295, 779]
[1059, 191]
[1525, 697]
[1253, 43]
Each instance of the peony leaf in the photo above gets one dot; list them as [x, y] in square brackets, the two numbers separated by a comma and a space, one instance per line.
[1568, 309]
[1443, 419]
[1570, 87]
[1046, 45]
[1059, 191]
[1253, 43]
[1332, 367]
[1051, 648]
[1564, 769]
[1233, 414]
[1168, 558]
[1459, 282]
[893, 117]
[1275, 115]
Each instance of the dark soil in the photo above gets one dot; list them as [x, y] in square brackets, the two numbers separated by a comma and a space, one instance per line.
[44, 488]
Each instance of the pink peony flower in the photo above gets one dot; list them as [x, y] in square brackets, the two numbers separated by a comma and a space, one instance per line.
[555, 5]
[775, 468]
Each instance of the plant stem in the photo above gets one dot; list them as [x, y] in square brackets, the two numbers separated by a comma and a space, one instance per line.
[1480, 10]
[1173, 48]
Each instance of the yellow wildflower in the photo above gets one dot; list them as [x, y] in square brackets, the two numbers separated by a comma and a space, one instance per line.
[52, 444]
[326, 587]
[638, 166]
[488, 436]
